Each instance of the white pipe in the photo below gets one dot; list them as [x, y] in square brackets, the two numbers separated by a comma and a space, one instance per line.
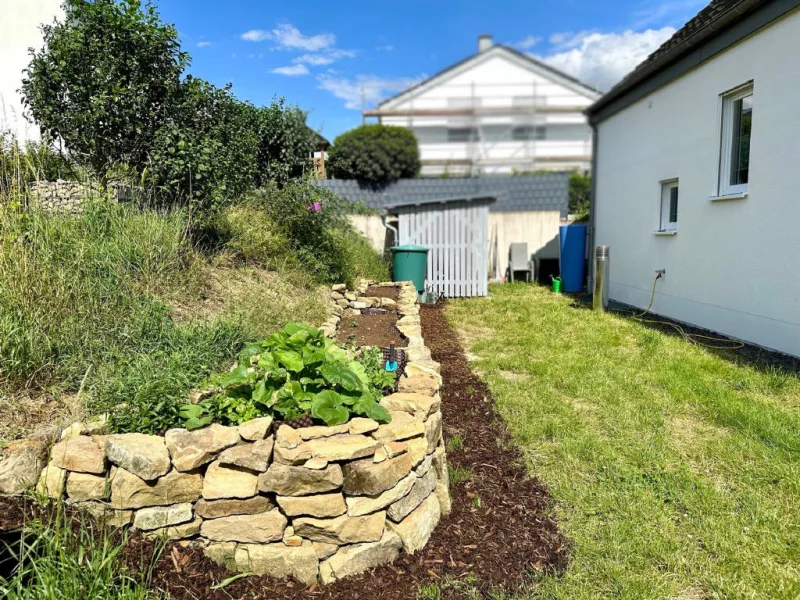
[391, 228]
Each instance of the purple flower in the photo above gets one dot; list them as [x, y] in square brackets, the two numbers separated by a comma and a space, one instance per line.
[315, 207]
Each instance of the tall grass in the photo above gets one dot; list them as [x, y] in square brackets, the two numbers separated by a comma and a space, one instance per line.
[59, 559]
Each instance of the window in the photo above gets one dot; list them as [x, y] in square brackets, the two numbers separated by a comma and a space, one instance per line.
[462, 134]
[669, 205]
[737, 119]
[528, 132]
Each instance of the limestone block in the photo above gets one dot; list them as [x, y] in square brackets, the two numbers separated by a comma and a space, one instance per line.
[146, 456]
[299, 481]
[192, 449]
[85, 486]
[355, 559]
[79, 454]
[320, 505]
[366, 478]
[214, 509]
[279, 561]
[223, 481]
[256, 429]
[255, 456]
[254, 529]
[364, 505]
[415, 530]
[423, 487]
[158, 517]
[341, 530]
[21, 465]
[129, 491]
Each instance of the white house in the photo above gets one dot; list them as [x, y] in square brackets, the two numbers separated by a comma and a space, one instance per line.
[696, 156]
[496, 112]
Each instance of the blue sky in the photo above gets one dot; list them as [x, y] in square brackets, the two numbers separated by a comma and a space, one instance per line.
[318, 54]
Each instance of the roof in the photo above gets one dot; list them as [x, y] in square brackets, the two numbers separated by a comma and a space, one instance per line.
[546, 192]
[497, 48]
[722, 21]
[429, 201]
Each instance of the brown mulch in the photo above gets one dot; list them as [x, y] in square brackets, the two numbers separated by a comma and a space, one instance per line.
[382, 291]
[371, 330]
[501, 540]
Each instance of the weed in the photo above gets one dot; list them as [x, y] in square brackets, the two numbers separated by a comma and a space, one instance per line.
[353, 323]
[455, 443]
[429, 591]
[476, 502]
[469, 390]
[459, 474]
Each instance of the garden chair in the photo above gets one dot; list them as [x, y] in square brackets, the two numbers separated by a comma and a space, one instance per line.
[520, 260]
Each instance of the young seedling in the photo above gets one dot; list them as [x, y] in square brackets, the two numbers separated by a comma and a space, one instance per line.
[353, 323]
[476, 502]
[459, 475]
[455, 443]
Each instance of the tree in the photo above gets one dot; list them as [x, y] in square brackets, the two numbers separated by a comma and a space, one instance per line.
[104, 81]
[285, 143]
[580, 191]
[375, 153]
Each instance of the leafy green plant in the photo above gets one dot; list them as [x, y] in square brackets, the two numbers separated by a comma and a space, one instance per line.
[292, 373]
[375, 153]
[375, 367]
[459, 474]
[455, 443]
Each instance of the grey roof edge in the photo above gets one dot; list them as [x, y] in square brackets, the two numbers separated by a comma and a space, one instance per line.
[716, 36]
[463, 61]
[428, 201]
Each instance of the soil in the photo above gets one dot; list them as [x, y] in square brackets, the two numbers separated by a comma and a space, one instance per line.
[386, 291]
[371, 330]
[499, 540]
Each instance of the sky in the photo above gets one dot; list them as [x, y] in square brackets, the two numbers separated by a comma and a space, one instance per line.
[330, 58]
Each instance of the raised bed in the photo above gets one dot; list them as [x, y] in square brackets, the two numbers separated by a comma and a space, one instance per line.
[316, 504]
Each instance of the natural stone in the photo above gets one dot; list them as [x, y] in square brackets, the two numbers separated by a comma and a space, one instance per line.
[79, 454]
[321, 505]
[255, 429]
[416, 528]
[388, 304]
[443, 494]
[359, 305]
[222, 553]
[255, 456]
[440, 463]
[290, 539]
[280, 561]
[324, 550]
[339, 287]
[255, 529]
[109, 516]
[298, 481]
[402, 427]
[85, 486]
[229, 482]
[21, 465]
[425, 466]
[158, 517]
[179, 532]
[358, 558]
[419, 380]
[315, 463]
[433, 431]
[192, 449]
[418, 449]
[364, 505]
[129, 491]
[421, 490]
[146, 456]
[361, 425]
[341, 530]
[342, 447]
[365, 478]
[52, 481]
[291, 456]
[418, 405]
[214, 509]
[321, 431]
[287, 437]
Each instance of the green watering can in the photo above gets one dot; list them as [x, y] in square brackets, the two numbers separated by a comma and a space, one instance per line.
[556, 284]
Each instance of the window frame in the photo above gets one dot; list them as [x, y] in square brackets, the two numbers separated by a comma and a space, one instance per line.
[727, 129]
[535, 133]
[472, 135]
[665, 205]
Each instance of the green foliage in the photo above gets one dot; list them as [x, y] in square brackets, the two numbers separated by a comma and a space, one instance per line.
[285, 143]
[455, 443]
[580, 192]
[375, 153]
[22, 164]
[294, 372]
[104, 81]
[59, 559]
[375, 368]
[459, 474]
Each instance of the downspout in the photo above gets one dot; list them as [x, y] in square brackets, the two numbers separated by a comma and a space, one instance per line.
[592, 210]
[392, 228]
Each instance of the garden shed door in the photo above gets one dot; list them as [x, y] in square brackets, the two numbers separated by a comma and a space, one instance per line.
[456, 231]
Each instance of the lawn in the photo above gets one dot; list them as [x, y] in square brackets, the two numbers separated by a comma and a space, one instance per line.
[674, 470]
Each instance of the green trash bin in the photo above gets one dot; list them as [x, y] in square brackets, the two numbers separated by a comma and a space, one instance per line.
[411, 264]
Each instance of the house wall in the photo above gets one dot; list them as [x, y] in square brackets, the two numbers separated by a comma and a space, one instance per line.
[539, 229]
[733, 265]
[497, 81]
[372, 228]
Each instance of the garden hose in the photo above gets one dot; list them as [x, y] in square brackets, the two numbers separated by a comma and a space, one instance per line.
[693, 338]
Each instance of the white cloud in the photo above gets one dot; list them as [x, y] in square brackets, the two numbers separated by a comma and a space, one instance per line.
[19, 30]
[203, 44]
[528, 42]
[602, 59]
[325, 58]
[369, 88]
[288, 37]
[291, 70]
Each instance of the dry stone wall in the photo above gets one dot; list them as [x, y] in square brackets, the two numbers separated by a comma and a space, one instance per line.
[315, 504]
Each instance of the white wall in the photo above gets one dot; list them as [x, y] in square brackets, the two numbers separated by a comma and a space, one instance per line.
[539, 229]
[734, 266]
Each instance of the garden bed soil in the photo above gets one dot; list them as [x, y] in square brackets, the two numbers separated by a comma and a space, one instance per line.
[500, 540]
[382, 291]
[371, 330]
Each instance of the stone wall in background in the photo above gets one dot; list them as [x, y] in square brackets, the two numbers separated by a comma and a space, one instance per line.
[315, 504]
[69, 197]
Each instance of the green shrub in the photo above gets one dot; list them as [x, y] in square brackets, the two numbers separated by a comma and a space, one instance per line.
[580, 191]
[375, 153]
[294, 372]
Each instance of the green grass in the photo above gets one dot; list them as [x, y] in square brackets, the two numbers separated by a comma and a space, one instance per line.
[59, 560]
[675, 470]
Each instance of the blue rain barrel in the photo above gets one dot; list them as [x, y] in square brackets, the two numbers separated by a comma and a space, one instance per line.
[573, 257]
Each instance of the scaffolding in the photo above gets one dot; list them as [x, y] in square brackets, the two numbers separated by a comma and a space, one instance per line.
[521, 109]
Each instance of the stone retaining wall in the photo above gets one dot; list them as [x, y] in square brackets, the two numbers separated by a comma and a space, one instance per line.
[315, 504]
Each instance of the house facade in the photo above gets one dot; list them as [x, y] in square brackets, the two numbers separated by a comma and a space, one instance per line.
[696, 152]
[496, 112]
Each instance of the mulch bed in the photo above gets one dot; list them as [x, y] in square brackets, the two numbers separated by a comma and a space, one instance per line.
[371, 330]
[386, 291]
[501, 542]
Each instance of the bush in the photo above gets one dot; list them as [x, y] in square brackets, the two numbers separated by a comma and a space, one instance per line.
[285, 143]
[580, 191]
[375, 153]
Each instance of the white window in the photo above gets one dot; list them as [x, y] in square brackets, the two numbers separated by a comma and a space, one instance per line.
[737, 119]
[669, 205]
[528, 132]
[462, 134]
